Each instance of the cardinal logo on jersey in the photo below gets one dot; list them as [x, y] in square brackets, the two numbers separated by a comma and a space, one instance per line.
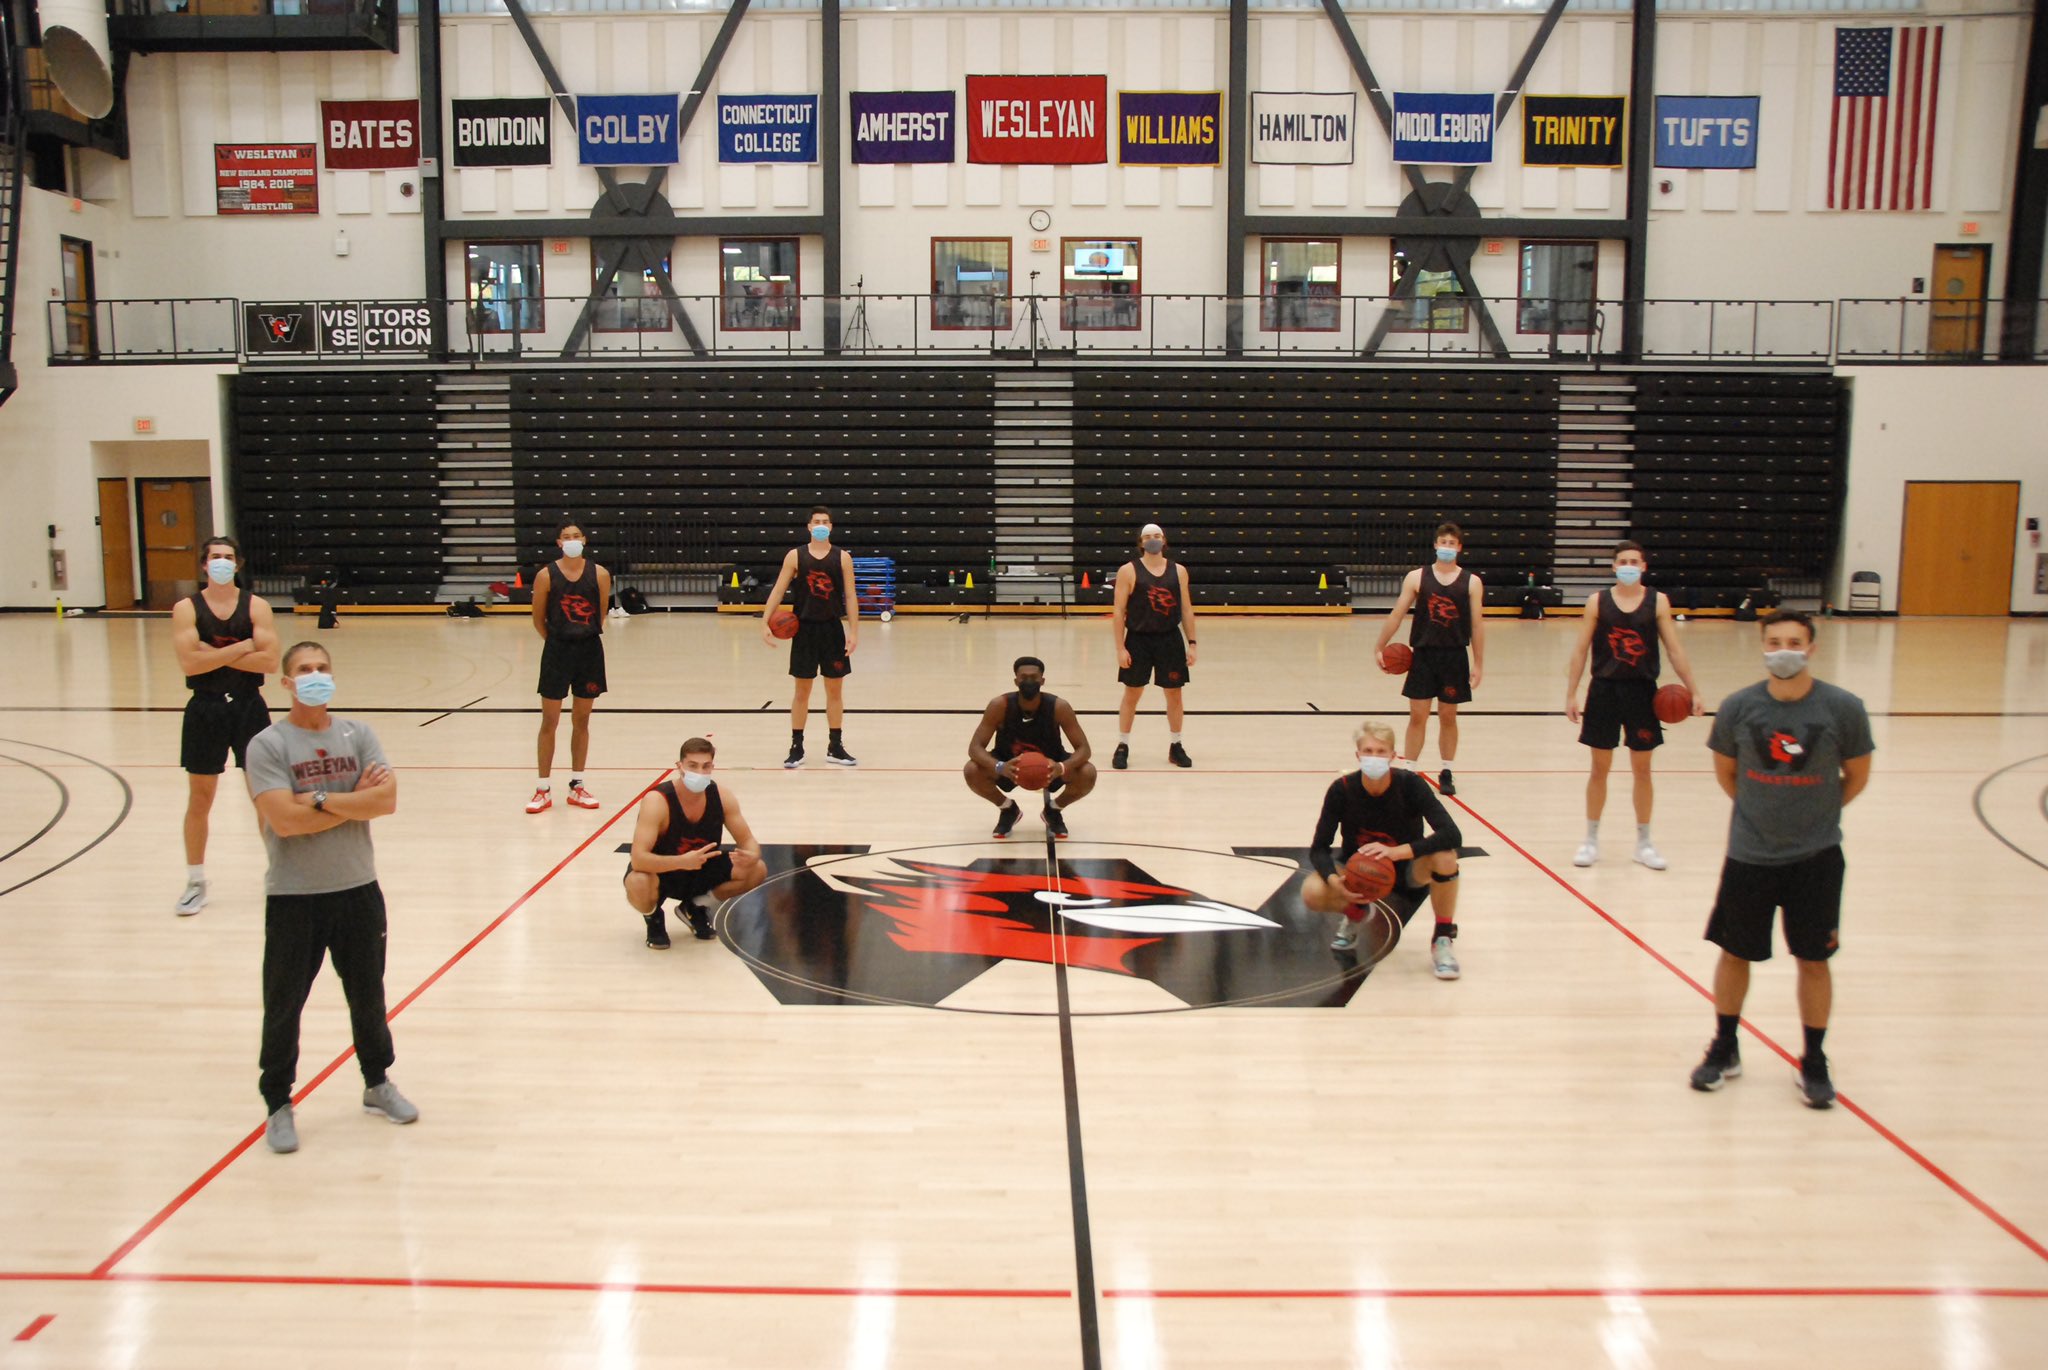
[1443, 610]
[819, 584]
[1787, 750]
[1161, 599]
[1627, 645]
[578, 610]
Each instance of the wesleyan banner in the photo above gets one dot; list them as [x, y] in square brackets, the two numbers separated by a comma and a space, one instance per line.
[1170, 127]
[1707, 130]
[1443, 130]
[504, 132]
[1301, 129]
[626, 130]
[892, 126]
[767, 128]
[1573, 130]
[1037, 120]
[370, 135]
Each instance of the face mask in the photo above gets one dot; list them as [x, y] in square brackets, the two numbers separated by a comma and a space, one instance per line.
[1446, 554]
[696, 782]
[1155, 546]
[314, 687]
[221, 571]
[1028, 689]
[1628, 575]
[1375, 767]
[1786, 664]
[821, 532]
[573, 548]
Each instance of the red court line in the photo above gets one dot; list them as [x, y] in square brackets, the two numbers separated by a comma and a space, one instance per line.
[185, 1196]
[531, 1286]
[28, 1333]
[2011, 1228]
[1670, 1292]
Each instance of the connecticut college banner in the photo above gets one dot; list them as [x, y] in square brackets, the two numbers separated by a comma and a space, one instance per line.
[1573, 130]
[1170, 127]
[1301, 129]
[1443, 130]
[1037, 120]
[891, 126]
[768, 128]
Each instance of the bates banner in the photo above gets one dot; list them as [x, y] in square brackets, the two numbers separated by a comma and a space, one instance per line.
[370, 135]
[1037, 120]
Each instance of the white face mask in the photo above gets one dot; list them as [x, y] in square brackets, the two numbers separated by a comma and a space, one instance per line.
[314, 687]
[1628, 575]
[572, 548]
[220, 570]
[1375, 767]
[696, 782]
[1785, 664]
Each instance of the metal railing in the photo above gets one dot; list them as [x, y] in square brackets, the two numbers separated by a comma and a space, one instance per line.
[884, 326]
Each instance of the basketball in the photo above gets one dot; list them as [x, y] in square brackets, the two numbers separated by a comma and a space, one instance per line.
[1368, 877]
[783, 624]
[1032, 770]
[1399, 657]
[1673, 704]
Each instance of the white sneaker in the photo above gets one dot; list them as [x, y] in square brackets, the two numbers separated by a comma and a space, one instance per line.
[192, 900]
[1647, 855]
[1587, 854]
[1443, 960]
[1347, 934]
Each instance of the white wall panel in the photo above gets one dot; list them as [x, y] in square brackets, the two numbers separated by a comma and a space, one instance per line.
[1777, 116]
[1727, 74]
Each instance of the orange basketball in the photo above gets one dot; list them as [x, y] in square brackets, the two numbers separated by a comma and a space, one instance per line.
[1673, 704]
[1368, 877]
[783, 624]
[1399, 658]
[1033, 770]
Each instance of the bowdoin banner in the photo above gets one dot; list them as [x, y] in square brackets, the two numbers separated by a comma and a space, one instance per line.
[1443, 130]
[370, 135]
[1037, 120]
[503, 132]
[767, 128]
[1302, 129]
[626, 130]
[891, 126]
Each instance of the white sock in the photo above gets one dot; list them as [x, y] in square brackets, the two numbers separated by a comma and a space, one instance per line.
[1123, 739]
[1642, 834]
[1592, 830]
[706, 901]
[576, 778]
[1174, 738]
[195, 875]
[544, 784]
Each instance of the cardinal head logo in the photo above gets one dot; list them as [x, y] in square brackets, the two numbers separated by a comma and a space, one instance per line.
[1627, 645]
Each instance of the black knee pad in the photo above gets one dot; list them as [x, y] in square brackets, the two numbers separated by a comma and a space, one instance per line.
[1439, 878]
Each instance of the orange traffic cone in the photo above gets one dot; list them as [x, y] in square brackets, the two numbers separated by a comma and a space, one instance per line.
[1084, 580]
[519, 580]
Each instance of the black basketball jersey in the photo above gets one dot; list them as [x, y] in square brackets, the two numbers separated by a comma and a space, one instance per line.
[1625, 642]
[215, 631]
[1154, 605]
[575, 608]
[1443, 613]
[820, 586]
[1392, 819]
[683, 836]
[1039, 731]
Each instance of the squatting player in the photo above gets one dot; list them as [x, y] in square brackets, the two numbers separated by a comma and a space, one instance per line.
[1029, 720]
[676, 851]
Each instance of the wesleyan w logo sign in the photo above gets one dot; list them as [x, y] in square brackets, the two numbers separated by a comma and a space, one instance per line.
[268, 329]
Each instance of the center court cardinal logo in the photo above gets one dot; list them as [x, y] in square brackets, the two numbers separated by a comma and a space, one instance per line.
[1627, 645]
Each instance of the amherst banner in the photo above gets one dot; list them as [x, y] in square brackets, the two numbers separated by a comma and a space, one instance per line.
[1170, 128]
[1301, 129]
[1037, 120]
[1573, 130]
[504, 132]
[891, 126]
[1443, 130]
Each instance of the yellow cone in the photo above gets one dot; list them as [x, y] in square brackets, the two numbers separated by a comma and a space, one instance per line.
[1323, 581]
[735, 580]
[970, 581]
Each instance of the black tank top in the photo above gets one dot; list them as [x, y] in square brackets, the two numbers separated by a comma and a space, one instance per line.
[1443, 613]
[1038, 733]
[575, 609]
[214, 631]
[682, 835]
[820, 586]
[1154, 605]
[1625, 642]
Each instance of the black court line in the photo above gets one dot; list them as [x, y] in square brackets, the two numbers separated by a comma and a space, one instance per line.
[1077, 1177]
[63, 804]
[1977, 806]
[127, 804]
[456, 710]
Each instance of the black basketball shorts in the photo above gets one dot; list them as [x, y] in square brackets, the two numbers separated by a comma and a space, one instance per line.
[1810, 892]
[1440, 673]
[683, 886]
[1156, 659]
[572, 667]
[1621, 709]
[819, 649]
[217, 724]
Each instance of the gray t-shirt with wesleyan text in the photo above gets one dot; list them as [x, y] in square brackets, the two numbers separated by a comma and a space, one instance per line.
[1788, 769]
[285, 756]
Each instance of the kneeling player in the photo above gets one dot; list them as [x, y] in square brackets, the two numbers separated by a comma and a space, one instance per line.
[1382, 812]
[676, 853]
[1023, 721]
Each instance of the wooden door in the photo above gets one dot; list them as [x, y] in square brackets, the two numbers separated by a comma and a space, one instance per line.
[117, 545]
[170, 546]
[78, 298]
[1955, 325]
[1956, 554]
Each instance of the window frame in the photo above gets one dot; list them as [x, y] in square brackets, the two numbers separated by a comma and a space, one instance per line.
[1592, 300]
[597, 313]
[1003, 301]
[794, 297]
[1270, 298]
[1135, 299]
[1403, 317]
[538, 298]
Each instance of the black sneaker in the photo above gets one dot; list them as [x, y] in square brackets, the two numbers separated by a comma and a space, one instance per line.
[1055, 821]
[1720, 1065]
[1815, 1088]
[700, 921]
[657, 930]
[839, 756]
[794, 759]
[1006, 819]
[1178, 755]
[1443, 781]
[1121, 760]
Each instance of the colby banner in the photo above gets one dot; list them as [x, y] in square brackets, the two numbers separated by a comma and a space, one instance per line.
[1169, 128]
[1037, 120]
[1443, 130]
[892, 126]
[1716, 131]
[504, 132]
[1299, 128]
[768, 128]
[626, 130]
[1573, 130]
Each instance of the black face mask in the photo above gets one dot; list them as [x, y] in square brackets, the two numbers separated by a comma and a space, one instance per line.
[1028, 689]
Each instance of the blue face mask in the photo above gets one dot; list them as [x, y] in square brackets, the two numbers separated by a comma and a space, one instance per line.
[221, 571]
[821, 532]
[696, 782]
[314, 687]
[1446, 554]
[1375, 767]
[1628, 575]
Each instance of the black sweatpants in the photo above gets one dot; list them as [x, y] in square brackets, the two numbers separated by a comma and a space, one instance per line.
[298, 932]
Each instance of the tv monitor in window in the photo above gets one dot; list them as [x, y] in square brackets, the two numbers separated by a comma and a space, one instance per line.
[970, 277]
[1098, 261]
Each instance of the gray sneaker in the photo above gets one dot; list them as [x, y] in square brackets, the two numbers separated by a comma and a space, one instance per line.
[1443, 959]
[278, 1132]
[386, 1099]
[1347, 934]
[192, 900]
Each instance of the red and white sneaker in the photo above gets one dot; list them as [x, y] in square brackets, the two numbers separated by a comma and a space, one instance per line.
[542, 801]
[581, 798]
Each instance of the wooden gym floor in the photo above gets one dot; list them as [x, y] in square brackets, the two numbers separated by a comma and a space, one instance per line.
[845, 1133]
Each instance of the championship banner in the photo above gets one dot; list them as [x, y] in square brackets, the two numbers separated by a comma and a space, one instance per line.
[768, 128]
[893, 126]
[370, 135]
[504, 132]
[1295, 128]
[1037, 120]
[1443, 130]
[626, 130]
[1573, 130]
[1169, 127]
[265, 178]
[1715, 131]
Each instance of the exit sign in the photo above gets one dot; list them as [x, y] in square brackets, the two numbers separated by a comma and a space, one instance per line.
[145, 425]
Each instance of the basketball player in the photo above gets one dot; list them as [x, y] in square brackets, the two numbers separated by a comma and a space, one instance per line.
[1791, 751]
[318, 782]
[1622, 627]
[1029, 720]
[1152, 615]
[823, 646]
[676, 852]
[226, 641]
[1449, 604]
[569, 599]
[1382, 812]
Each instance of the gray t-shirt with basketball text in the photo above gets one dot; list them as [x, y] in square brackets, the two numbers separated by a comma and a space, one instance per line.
[1788, 769]
[285, 756]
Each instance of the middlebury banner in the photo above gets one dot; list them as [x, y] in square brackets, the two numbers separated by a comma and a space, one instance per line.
[1443, 130]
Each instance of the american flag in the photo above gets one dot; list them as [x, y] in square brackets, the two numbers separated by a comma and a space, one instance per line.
[1881, 133]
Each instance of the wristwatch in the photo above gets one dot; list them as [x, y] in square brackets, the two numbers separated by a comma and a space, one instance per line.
[320, 801]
